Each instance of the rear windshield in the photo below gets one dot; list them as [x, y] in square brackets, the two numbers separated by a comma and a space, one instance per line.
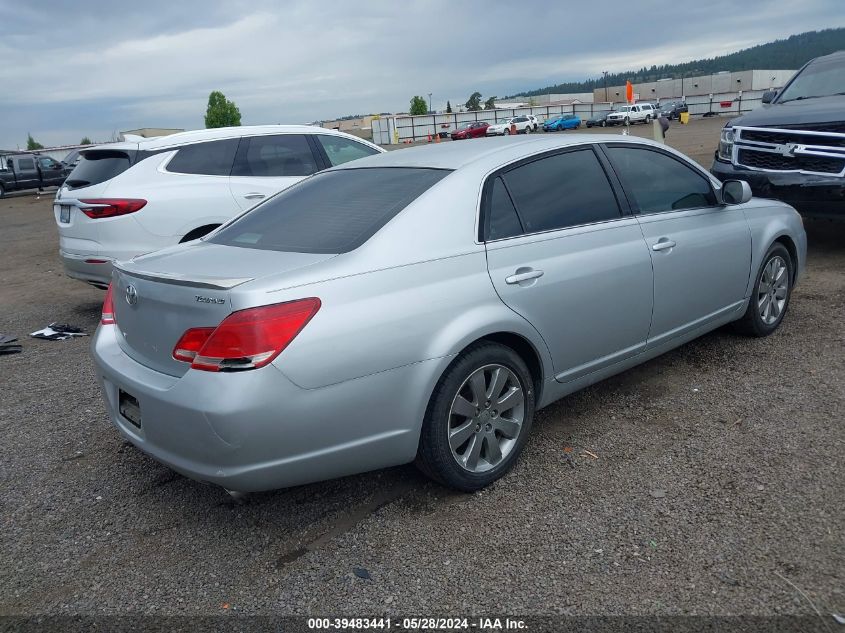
[331, 212]
[97, 166]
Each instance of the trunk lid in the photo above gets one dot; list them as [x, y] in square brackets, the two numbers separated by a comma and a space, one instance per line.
[184, 287]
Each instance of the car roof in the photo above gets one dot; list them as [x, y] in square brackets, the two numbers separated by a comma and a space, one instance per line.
[830, 57]
[194, 136]
[490, 151]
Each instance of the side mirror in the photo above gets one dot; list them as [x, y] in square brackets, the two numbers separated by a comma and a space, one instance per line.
[736, 192]
[769, 96]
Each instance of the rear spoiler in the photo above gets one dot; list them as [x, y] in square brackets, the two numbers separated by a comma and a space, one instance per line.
[195, 281]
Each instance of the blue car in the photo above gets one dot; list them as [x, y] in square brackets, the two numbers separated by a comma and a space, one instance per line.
[563, 122]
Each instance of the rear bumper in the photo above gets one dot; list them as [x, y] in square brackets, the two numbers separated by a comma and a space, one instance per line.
[817, 196]
[94, 269]
[257, 430]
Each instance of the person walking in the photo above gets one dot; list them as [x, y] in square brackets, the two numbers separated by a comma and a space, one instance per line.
[664, 124]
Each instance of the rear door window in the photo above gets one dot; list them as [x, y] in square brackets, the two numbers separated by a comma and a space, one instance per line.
[275, 156]
[562, 190]
[99, 165]
[213, 158]
[26, 164]
[504, 222]
[342, 150]
[333, 212]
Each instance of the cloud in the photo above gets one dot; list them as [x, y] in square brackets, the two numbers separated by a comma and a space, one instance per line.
[92, 67]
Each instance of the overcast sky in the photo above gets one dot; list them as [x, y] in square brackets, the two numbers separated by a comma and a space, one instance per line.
[91, 67]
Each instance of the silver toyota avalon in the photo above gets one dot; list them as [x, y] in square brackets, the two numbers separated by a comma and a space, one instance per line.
[421, 305]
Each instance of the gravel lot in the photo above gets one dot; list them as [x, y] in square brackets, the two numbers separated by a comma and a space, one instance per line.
[717, 487]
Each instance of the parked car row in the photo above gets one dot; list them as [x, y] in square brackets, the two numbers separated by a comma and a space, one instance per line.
[627, 114]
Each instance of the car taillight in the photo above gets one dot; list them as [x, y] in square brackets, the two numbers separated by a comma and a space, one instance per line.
[107, 317]
[191, 343]
[97, 208]
[247, 339]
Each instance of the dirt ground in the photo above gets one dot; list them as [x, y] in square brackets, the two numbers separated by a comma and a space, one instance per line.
[715, 485]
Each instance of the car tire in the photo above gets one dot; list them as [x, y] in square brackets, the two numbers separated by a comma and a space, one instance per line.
[468, 447]
[527, 130]
[627, 121]
[647, 119]
[506, 132]
[770, 296]
[604, 123]
[2, 191]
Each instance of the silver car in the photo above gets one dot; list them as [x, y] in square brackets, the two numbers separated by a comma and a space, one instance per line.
[421, 305]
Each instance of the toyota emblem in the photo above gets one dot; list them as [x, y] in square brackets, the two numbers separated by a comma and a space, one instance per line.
[131, 295]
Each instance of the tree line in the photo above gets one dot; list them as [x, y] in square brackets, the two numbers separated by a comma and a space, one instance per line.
[787, 54]
[473, 104]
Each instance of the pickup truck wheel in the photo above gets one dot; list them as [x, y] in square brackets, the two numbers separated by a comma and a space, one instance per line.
[647, 119]
[527, 130]
[627, 121]
[604, 123]
[2, 191]
[506, 132]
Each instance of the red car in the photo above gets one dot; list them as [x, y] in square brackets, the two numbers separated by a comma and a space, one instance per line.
[470, 130]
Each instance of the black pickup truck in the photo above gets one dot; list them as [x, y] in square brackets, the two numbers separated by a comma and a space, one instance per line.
[30, 171]
[793, 148]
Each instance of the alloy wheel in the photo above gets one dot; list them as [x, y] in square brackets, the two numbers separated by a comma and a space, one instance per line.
[486, 418]
[772, 290]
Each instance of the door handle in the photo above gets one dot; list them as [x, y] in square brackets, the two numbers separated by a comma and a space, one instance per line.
[663, 244]
[523, 276]
[254, 196]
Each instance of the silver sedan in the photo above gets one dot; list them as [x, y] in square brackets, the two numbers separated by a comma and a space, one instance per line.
[421, 305]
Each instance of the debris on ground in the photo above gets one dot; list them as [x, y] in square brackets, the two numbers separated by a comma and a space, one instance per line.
[362, 573]
[8, 345]
[567, 456]
[590, 453]
[658, 493]
[58, 332]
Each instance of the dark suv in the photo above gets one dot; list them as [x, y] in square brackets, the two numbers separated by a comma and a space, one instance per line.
[673, 109]
[793, 148]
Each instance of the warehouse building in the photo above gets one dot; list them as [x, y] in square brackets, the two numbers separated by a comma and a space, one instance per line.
[724, 82]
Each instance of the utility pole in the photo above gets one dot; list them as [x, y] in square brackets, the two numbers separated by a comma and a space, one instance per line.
[429, 102]
[605, 85]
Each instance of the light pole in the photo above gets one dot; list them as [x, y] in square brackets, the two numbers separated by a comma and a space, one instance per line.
[605, 85]
[429, 102]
